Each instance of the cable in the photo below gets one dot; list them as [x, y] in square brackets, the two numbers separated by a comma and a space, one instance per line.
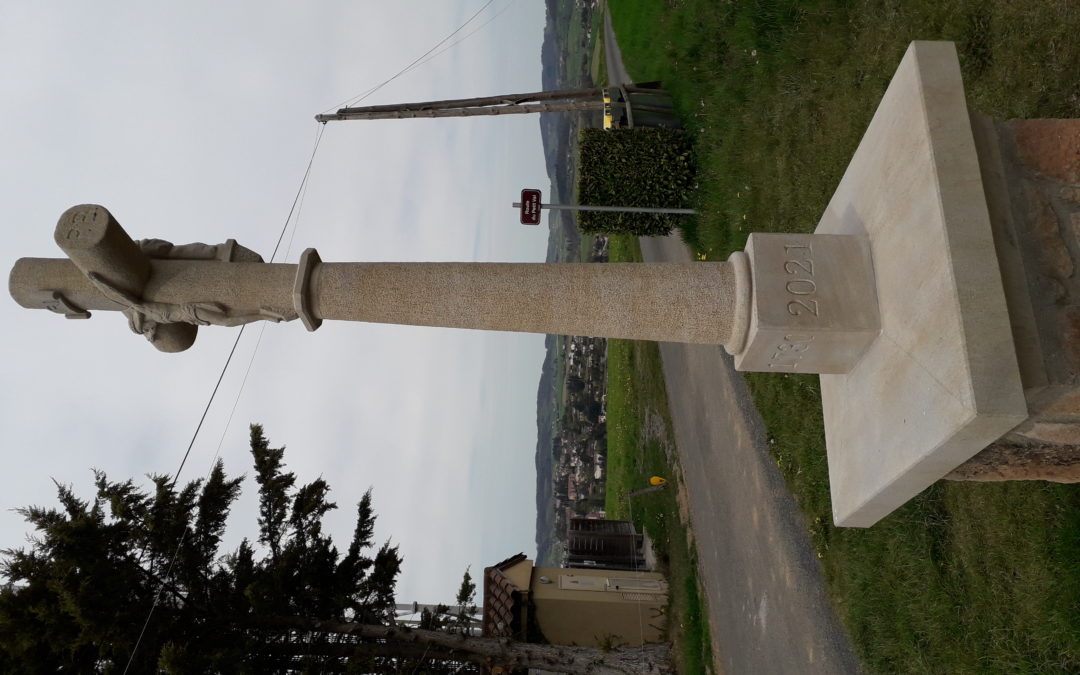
[464, 37]
[299, 208]
[421, 60]
[213, 394]
[303, 183]
[180, 542]
[360, 97]
[202, 419]
[369, 92]
[453, 44]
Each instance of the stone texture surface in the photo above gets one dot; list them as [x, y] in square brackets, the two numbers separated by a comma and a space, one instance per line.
[677, 302]
[1050, 148]
[1051, 252]
[95, 242]
[942, 382]
[242, 287]
[228, 285]
[1037, 234]
[814, 306]
[1043, 431]
[1070, 336]
[1032, 462]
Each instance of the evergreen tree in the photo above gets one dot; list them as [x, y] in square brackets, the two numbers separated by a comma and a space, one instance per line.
[133, 580]
[77, 597]
[461, 618]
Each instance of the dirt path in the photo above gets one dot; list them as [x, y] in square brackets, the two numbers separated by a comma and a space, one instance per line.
[767, 607]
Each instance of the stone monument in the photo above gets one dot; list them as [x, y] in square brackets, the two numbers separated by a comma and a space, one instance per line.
[936, 297]
[167, 291]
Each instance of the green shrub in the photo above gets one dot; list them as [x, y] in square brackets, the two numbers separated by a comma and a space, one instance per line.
[634, 167]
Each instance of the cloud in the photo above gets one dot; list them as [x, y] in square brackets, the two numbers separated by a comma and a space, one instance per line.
[193, 122]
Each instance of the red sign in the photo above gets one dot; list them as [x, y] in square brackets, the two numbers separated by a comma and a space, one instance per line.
[530, 207]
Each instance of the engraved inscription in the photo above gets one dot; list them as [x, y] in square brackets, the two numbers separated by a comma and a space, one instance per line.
[79, 220]
[791, 351]
[799, 265]
[800, 307]
[801, 287]
[805, 265]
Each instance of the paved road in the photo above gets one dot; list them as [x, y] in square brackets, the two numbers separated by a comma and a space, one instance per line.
[767, 607]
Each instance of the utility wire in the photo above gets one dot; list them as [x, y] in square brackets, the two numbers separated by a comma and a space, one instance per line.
[213, 394]
[202, 419]
[299, 191]
[360, 97]
[183, 534]
[421, 60]
[464, 37]
[298, 208]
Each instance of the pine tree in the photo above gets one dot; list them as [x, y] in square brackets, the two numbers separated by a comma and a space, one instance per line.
[134, 580]
[77, 597]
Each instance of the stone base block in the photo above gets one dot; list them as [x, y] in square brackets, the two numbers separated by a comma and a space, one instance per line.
[814, 307]
[1031, 173]
[942, 381]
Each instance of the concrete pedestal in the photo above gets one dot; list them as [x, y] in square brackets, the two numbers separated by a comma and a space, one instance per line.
[813, 308]
[942, 380]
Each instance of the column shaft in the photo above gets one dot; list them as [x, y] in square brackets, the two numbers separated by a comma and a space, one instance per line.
[678, 302]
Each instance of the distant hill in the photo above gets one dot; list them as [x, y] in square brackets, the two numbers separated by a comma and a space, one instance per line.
[559, 132]
[545, 425]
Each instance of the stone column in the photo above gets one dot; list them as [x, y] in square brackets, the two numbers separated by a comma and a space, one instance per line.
[680, 302]
[675, 302]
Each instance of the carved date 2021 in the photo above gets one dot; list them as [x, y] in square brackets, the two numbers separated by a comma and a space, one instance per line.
[801, 288]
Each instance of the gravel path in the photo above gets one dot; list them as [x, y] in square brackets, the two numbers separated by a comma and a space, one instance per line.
[767, 607]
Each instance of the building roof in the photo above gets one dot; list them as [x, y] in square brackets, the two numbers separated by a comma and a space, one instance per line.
[503, 601]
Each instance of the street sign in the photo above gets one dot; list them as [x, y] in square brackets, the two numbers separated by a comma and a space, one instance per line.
[530, 207]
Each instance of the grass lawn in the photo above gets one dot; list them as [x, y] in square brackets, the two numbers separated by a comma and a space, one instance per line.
[967, 577]
[639, 440]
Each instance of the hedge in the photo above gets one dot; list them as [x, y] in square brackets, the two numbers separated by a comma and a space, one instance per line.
[645, 166]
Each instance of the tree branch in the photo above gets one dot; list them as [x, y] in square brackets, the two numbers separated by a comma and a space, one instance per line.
[652, 659]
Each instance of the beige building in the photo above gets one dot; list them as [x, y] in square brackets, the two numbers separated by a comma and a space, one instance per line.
[586, 607]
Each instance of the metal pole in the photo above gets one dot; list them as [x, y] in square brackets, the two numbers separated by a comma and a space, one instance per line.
[474, 111]
[388, 111]
[506, 99]
[616, 209]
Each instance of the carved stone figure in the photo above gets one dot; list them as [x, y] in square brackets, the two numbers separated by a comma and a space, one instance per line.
[230, 251]
[146, 317]
[166, 290]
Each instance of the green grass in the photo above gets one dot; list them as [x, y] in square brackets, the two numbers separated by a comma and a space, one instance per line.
[579, 47]
[559, 379]
[638, 445]
[598, 60]
[968, 577]
[779, 92]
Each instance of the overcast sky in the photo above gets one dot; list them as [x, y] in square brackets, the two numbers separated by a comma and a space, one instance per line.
[193, 121]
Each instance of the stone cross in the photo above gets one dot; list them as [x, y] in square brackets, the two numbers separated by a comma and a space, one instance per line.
[937, 296]
[168, 291]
